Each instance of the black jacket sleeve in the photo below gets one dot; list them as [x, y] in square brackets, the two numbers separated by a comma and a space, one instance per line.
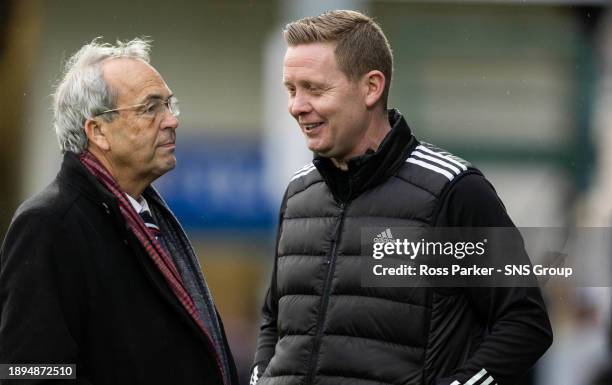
[40, 285]
[518, 328]
[268, 332]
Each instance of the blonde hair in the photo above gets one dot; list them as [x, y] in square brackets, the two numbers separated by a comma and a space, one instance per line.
[361, 45]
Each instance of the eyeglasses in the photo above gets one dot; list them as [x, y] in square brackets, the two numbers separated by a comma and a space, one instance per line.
[152, 108]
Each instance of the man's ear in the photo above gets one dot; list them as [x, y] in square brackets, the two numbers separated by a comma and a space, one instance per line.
[96, 134]
[375, 86]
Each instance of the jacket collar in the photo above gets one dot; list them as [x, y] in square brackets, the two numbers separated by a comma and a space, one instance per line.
[373, 167]
[73, 173]
[77, 176]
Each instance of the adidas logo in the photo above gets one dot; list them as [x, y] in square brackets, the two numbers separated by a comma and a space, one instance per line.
[384, 237]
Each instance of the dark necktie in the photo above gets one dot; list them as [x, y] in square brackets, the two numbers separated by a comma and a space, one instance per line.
[150, 223]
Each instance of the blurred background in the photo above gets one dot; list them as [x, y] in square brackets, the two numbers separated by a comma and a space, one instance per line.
[523, 89]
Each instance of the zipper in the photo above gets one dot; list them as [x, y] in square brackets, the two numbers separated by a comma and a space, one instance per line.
[331, 262]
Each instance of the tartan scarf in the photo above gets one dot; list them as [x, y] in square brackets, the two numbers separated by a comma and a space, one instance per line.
[152, 246]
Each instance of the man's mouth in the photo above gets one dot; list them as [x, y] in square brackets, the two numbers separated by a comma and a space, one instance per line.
[311, 126]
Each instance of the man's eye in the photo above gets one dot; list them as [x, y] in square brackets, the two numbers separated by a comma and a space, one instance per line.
[151, 107]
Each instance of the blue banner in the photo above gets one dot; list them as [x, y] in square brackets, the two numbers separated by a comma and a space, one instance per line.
[218, 184]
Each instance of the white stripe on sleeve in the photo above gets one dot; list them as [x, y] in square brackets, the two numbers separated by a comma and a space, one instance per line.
[447, 174]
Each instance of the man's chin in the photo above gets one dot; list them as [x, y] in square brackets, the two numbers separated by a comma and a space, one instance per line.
[169, 165]
[326, 153]
[323, 151]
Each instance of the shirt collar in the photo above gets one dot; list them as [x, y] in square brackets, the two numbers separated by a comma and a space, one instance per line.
[139, 205]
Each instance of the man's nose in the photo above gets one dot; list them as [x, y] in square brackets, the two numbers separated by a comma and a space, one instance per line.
[169, 121]
[299, 104]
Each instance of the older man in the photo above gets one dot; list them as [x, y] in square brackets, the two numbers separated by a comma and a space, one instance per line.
[95, 270]
[320, 325]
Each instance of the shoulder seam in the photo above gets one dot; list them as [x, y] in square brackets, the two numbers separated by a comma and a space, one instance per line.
[302, 189]
[303, 171]
[447, 188]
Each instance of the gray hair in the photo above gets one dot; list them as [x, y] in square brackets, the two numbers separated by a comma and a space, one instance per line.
[83, 93]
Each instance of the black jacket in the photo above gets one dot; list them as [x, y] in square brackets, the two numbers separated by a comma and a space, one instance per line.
[321, 326]
[77, 287]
